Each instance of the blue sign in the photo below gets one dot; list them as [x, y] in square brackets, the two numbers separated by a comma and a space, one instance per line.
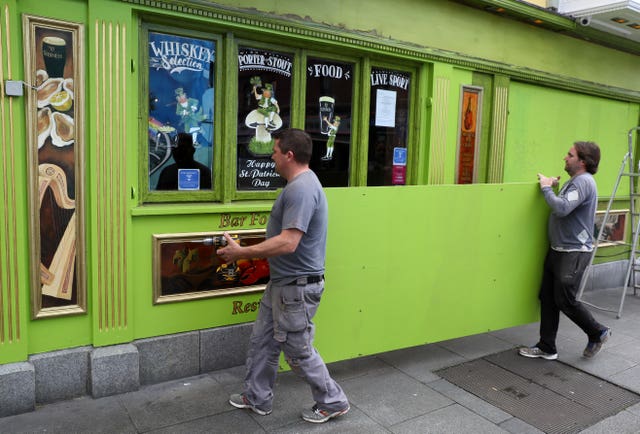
[399, 156]
[188, 179]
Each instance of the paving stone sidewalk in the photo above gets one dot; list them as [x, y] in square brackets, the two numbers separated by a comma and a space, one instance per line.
[394, 392]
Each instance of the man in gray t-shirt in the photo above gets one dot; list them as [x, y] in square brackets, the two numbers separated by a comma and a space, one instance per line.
[295, 246]
[570, 231]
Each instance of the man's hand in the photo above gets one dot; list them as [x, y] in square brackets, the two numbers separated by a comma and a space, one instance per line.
[232, 251]
[546, 181]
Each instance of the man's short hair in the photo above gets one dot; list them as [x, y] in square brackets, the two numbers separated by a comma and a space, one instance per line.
[296, 141]
[589, 152]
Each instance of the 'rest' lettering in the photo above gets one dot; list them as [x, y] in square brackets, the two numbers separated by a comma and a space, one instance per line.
[239, 307]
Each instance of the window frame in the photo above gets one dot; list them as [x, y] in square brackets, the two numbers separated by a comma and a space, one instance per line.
[224, 166]
[356, 112]
[412, 144]
[154, 196]
[231, 154]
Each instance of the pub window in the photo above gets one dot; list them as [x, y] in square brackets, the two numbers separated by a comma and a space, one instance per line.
[180, 78]
[388, 127]
[264, 106]
[184, 89]
[329, 101]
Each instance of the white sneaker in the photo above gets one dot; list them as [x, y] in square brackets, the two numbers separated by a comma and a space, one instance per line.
[535, 352]
[238, 400]
[315, 415]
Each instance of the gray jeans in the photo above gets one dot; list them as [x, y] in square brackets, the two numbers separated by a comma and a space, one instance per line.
[285, 324]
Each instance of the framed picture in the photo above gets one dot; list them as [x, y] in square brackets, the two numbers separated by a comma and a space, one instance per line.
[186, 266]
[614, 230]
[469, 134]
[54, 59]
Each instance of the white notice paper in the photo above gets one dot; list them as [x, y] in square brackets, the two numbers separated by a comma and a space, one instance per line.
[385, 108]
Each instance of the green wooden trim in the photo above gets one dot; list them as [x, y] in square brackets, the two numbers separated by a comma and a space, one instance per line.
[422, 126]
[200, 208]
[308, 32]
[230, 106]
[414, 127]
[298, 85]
[359, 161]
[218, 119]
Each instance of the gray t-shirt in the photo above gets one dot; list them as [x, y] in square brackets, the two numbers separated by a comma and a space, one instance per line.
[573, 210]
[301, 205]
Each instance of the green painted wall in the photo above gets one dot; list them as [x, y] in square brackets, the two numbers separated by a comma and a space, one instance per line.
[544, 123]
[457, 28]
[13, 219]
[405, 265]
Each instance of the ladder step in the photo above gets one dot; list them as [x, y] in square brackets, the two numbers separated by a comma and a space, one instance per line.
[630, 174]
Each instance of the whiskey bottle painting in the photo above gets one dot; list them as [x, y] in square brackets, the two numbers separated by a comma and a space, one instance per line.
[468, 135]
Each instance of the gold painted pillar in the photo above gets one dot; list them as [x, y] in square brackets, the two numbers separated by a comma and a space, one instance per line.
[14, 285]
[439, 124]
[495, 172]
[111, 145]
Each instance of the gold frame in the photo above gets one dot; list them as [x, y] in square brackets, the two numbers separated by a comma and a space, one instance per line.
[205, 239]
[617, 213]
[42, 175]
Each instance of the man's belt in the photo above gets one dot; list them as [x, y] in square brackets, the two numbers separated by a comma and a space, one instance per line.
[305, 280]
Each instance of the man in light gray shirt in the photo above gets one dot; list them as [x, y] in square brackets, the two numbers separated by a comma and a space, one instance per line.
[570, 232]
[295, 246]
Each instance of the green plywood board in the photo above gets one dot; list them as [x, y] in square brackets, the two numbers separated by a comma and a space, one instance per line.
[404, 266]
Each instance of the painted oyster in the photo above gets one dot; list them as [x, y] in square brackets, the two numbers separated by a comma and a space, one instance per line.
[67, 85]
[47, 89]
[44, 125]
[62, 129]
[41, 76]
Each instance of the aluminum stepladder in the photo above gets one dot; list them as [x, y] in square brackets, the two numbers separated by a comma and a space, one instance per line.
[627, 169]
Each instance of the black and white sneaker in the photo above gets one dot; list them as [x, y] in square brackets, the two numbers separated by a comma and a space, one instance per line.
[535, 352]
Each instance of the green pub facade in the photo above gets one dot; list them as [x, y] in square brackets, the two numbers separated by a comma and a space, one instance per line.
[430, 121]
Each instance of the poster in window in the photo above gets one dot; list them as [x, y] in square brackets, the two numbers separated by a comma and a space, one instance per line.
[328, 119]
[264, 105]
[389, 107]
[55, 112]
[470, 103]
[181, 100]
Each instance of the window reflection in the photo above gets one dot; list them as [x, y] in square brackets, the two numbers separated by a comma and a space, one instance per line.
[181, 100]
[388, 131]
[264, 106]
[328, 110]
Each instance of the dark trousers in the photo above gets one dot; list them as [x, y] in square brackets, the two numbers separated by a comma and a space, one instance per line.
[560, 284]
